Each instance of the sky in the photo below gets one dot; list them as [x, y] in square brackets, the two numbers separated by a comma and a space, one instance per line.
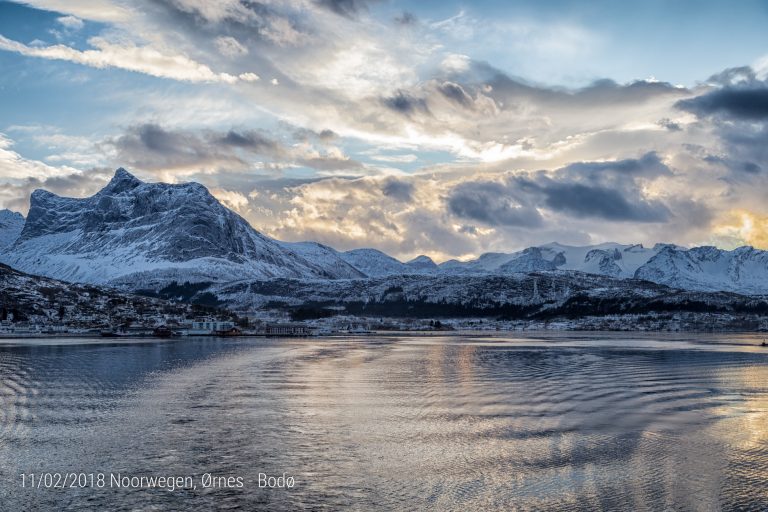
[444, 128]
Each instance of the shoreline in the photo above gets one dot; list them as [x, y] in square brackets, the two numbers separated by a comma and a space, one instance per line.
[387, 333]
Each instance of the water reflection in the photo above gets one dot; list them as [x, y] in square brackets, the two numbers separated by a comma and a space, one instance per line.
[393, 423]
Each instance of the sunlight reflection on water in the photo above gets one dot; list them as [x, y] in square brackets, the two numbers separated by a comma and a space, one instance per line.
[577, 422]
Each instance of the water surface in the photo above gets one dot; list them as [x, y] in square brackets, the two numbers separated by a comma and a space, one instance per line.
[558, 422]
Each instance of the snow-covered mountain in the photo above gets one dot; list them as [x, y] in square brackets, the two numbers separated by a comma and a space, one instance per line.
[552, 295]
[423, 265]
[742, 270]
[609, 259]
[374, 263]
[142, 234]
[11, 224]
[147, 235]
[328, 257]
[49, 301]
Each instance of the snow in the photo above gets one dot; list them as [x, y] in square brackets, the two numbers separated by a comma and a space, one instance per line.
[11, 224]
[146, 235]
[132, 228]
[374, 263]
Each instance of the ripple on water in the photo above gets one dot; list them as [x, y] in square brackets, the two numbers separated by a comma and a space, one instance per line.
[395, 424]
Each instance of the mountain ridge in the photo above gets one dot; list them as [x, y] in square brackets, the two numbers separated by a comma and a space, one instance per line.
[147, 235]
[132, 227]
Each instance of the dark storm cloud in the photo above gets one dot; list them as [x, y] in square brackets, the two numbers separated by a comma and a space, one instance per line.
[738, 103]
[456, 93]
[581, 200]
[737, 112]
[250, 140]
[404, 103]
[745, 143]
[154, 138]
[747, 167]
[152, 147]
[649, 165]
[740, 95]
[493, 204]
[397, 189]
[607, 190]
[751, 167]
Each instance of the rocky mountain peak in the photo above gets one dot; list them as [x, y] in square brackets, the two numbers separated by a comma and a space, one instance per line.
[122, 181]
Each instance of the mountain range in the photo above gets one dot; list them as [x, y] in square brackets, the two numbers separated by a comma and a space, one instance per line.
[146, 236]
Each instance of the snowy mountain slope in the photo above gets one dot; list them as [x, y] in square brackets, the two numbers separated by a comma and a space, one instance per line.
[742, 270]
[520, 295]
[374, 263]
[488, 262]
[606, 259]
[327, 257]
[11, 224]
[46, 300]
[423, 264]
[147, 235]
[131, 228]
[609, 259]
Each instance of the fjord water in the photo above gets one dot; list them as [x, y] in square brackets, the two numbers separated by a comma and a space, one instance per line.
[587, 422]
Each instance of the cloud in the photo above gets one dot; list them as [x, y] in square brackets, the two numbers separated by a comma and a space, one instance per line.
[398, 189]
[348, 213]
[743, 227]
[141, 59]
[251, 140]
[456, 93]
[232, 199]
[152, 147]
[404, 95]
[735, 110]
[328, 66]
[230, 47]
[71, 22]
[493, 204]
[20, 176]
[601, 202]
[610, 191]
[96, 10]
[249, 77]
[403, 103]
[738, 103]
[670, 125]
[16, 167]
[348, 8]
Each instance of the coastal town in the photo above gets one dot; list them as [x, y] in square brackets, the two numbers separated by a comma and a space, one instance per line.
[35, 306]
[222, 325]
